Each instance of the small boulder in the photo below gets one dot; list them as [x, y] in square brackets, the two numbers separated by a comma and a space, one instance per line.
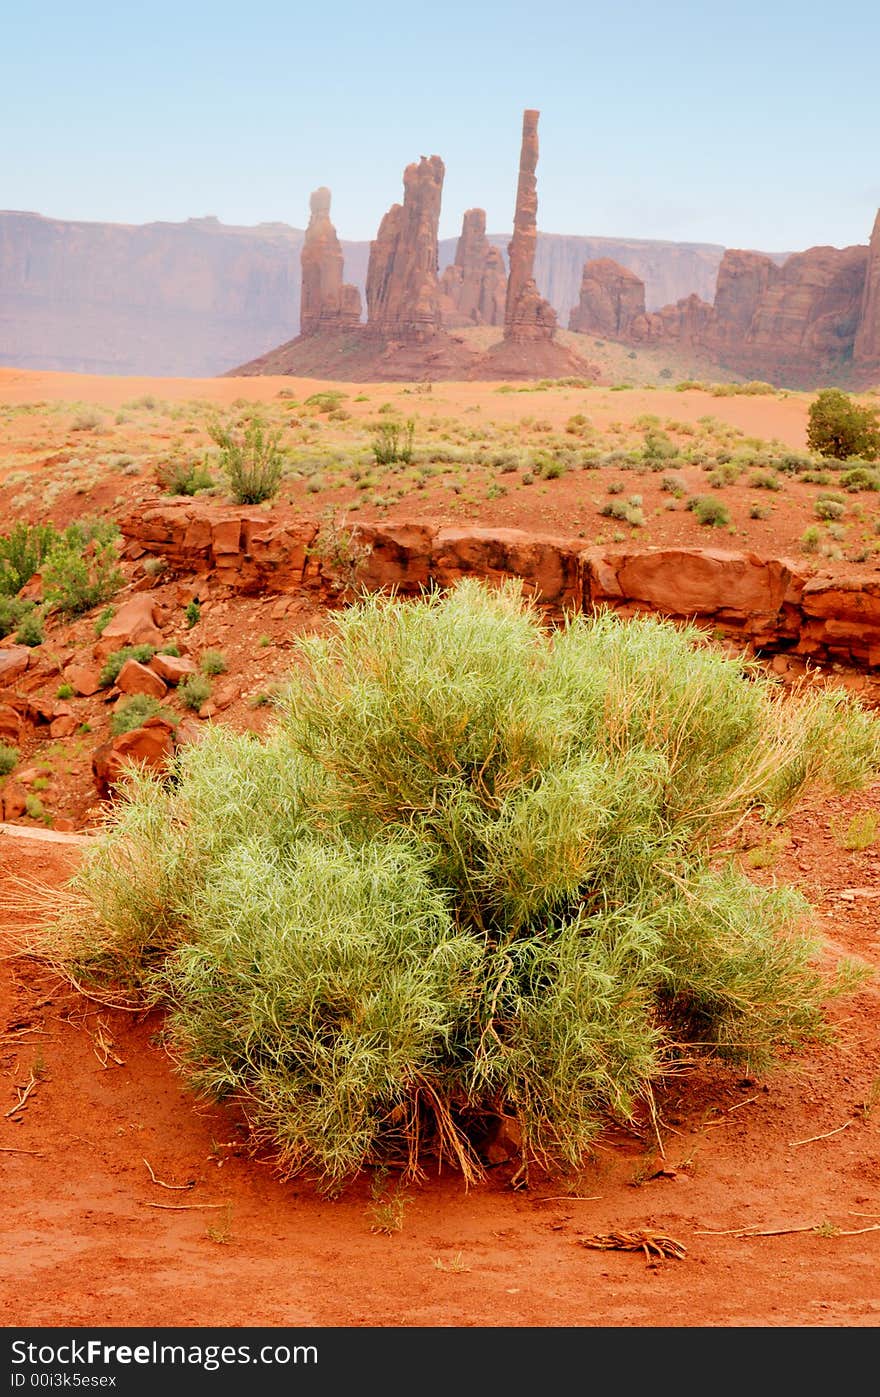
[10, 725]
[151, 745]
[135, 678]
[13, 799]
[14, 661]
[85, 680]
[172, 668]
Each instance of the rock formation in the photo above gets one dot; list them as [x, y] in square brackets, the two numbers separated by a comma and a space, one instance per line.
[475, 286]
[327, 303]
[403, 290]
[527, 316]
[866, 351]
[611, 298]
[815, 316]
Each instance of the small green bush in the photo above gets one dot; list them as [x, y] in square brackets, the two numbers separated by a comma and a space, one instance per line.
[117, 658]
[194, 691]
[192, 613]
[31, 632]
[251, 459]
[81, 569]
[810, 539]
[393, 442]
[860, 478]
[133, 713]
[22, 551]
[65, 691]
[185, 478]
[13, 610]
[709, 512]
[838, 426]
[8, 758]
[213, 662]
[826, 507]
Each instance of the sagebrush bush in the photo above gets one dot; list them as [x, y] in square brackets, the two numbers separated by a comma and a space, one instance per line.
[251, 459]
[475, 870]
[117, 658]
[709, 512]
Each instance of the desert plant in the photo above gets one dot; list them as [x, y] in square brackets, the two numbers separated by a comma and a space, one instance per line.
[117, 658]
[31, 632]
[339, 550]
[838, 426]
[192, 612]
[185, 477]
[475, 870]
[81, 568]
[393, 442]
[22, 551]
[213, 662]
[194, 691]
[827, 507]
[133, 713]
[250, 457]
[711, 513]
[8, 758]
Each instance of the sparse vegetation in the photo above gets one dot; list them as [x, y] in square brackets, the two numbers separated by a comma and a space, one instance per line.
[133, 713]
[213, 662]
[711, 513]
[194, 691]
[393, 442]
[8, 758]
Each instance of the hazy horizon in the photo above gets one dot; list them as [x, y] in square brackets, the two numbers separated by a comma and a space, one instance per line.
[738, 128]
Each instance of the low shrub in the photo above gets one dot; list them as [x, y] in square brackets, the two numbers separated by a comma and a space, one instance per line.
[81, 568]
[709, 512]
[194, 691]
[133, 713]
[213, 662]
[22, 551]
[250, 458]
[117, 658]
[185, 477]
[475, 870]
[8, 758]
[393, 442]
[31, 632]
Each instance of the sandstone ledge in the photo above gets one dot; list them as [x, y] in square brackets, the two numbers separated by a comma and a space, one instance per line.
[765, 603]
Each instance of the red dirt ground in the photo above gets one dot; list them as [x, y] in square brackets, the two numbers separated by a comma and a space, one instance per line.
[96, 1242]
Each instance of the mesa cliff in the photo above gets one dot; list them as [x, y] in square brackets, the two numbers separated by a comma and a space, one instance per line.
[812, 319]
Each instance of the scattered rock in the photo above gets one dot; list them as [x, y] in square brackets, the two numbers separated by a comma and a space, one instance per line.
[151, 745]
[172, 668]
[135, 678]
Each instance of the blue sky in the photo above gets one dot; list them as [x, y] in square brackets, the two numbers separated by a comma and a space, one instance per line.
[749, 124]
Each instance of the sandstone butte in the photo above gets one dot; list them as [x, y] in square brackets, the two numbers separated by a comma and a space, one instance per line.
[815, 316]
[326, 302]
[474, 287]
[410, 313]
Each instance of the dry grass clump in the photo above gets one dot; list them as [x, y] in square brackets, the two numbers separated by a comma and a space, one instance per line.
[475, 871]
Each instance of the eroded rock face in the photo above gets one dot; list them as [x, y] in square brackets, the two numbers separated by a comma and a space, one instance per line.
[866, 350]
[611, 298]
[527, 316]
[687, 322]
[475, 286]
[809, 312]
[327, 303]
[403, 290]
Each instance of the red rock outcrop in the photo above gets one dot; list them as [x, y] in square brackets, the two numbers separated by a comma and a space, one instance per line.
[794, 323]
[527, 316]
[403, 290]
[686, 322]
[327, 303]
[475, 286]
[611, 299]
[866, 350]
[151, 745]
[762, 602]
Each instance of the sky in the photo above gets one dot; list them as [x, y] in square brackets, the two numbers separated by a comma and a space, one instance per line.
[754, 123]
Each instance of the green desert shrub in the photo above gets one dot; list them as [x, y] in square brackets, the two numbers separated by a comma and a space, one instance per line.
[250, 457]
[81, 568]
[133, 713]
[185, 477]
[393, 442]
[709, 512]
[22, 551]
[194, 691]
[838, 426]
[474, 870]
[213, 662]
[30, 631]
[117, 658]
[8, 758]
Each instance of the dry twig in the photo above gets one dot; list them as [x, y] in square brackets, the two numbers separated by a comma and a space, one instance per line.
[182, 1207]
[162, 1183]
[23, 1094]
[654, 1246]
[827, 1136]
